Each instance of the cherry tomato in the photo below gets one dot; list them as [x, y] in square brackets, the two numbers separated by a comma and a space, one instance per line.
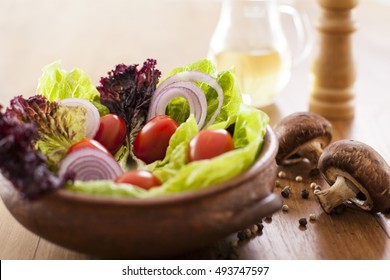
[141, 178]
[152, 141]
[112, 132]
[87, 143]
[209, 143]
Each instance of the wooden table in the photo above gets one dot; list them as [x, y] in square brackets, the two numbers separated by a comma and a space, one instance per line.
[97, 35]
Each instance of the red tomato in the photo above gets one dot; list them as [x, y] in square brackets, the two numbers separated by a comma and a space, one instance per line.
[87, 143]
[152, 141]
[141, 178]
[112, 132]
[209, 143]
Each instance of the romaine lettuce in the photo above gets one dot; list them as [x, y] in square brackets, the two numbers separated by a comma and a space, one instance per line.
[57, 84]
[106, 187]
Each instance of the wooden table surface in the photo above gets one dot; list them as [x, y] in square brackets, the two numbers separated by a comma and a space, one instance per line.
[96, 35]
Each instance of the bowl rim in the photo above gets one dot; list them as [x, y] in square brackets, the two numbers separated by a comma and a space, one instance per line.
[269, 150]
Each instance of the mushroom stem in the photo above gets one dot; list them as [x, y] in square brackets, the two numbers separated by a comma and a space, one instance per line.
[312, 151]
[340, 191]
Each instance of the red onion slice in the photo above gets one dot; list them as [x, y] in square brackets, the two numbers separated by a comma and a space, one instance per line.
[92, 117]
[193, 94]
[89, 164]
[190, 76]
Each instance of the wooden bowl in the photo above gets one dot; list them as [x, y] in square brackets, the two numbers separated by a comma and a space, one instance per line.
[160, 227]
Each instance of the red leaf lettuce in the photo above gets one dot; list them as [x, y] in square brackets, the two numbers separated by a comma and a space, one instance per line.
[20, 162]
[127, 92]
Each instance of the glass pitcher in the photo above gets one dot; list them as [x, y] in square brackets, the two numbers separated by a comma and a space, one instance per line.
[249, 37]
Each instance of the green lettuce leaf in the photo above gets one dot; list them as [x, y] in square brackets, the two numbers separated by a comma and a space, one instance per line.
[202, 65]
[121, 156]
[232, 100]
[179, 110]
[66, 128]
[56, 84]
[107, 187]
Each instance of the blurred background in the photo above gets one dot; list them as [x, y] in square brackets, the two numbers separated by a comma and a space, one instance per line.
[97, 35]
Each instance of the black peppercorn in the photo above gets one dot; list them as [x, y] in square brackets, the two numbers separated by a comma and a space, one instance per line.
[285, 192]
[304, 193]
[260, 227]
[241, 235]
[303, 222]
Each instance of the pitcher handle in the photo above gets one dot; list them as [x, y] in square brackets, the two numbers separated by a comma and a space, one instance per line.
[301, 23]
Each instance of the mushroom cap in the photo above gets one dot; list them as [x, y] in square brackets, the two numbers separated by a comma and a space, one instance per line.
[298, 129]
[364, 167]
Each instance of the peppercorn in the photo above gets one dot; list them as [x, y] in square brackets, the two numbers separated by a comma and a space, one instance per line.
[285, 207]
[277, 183]
[312, 217]
[254, 228]
[282, 174]
[313, 185]
[299, 179]
[241, 235]
[260, 227]
[303, 222]
[234, 243]
[286, 192]
[248, 233]
[268, 219]
[304, 194]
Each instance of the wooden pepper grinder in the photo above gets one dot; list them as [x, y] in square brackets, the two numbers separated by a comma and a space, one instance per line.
[333, 70]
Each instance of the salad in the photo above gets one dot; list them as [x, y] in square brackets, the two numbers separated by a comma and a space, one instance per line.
[134, 135]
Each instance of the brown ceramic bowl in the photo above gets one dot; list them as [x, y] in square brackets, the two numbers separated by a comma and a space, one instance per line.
[161, 227]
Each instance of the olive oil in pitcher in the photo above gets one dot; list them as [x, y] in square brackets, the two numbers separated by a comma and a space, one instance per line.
[249, 37]
[261, 75]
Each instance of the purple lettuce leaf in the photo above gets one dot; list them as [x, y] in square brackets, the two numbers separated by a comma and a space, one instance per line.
[58, 127]
[20, 163]
[127, 92]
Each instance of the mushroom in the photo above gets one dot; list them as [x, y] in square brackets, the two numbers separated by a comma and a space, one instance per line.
[302, 135]
[356, 173]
